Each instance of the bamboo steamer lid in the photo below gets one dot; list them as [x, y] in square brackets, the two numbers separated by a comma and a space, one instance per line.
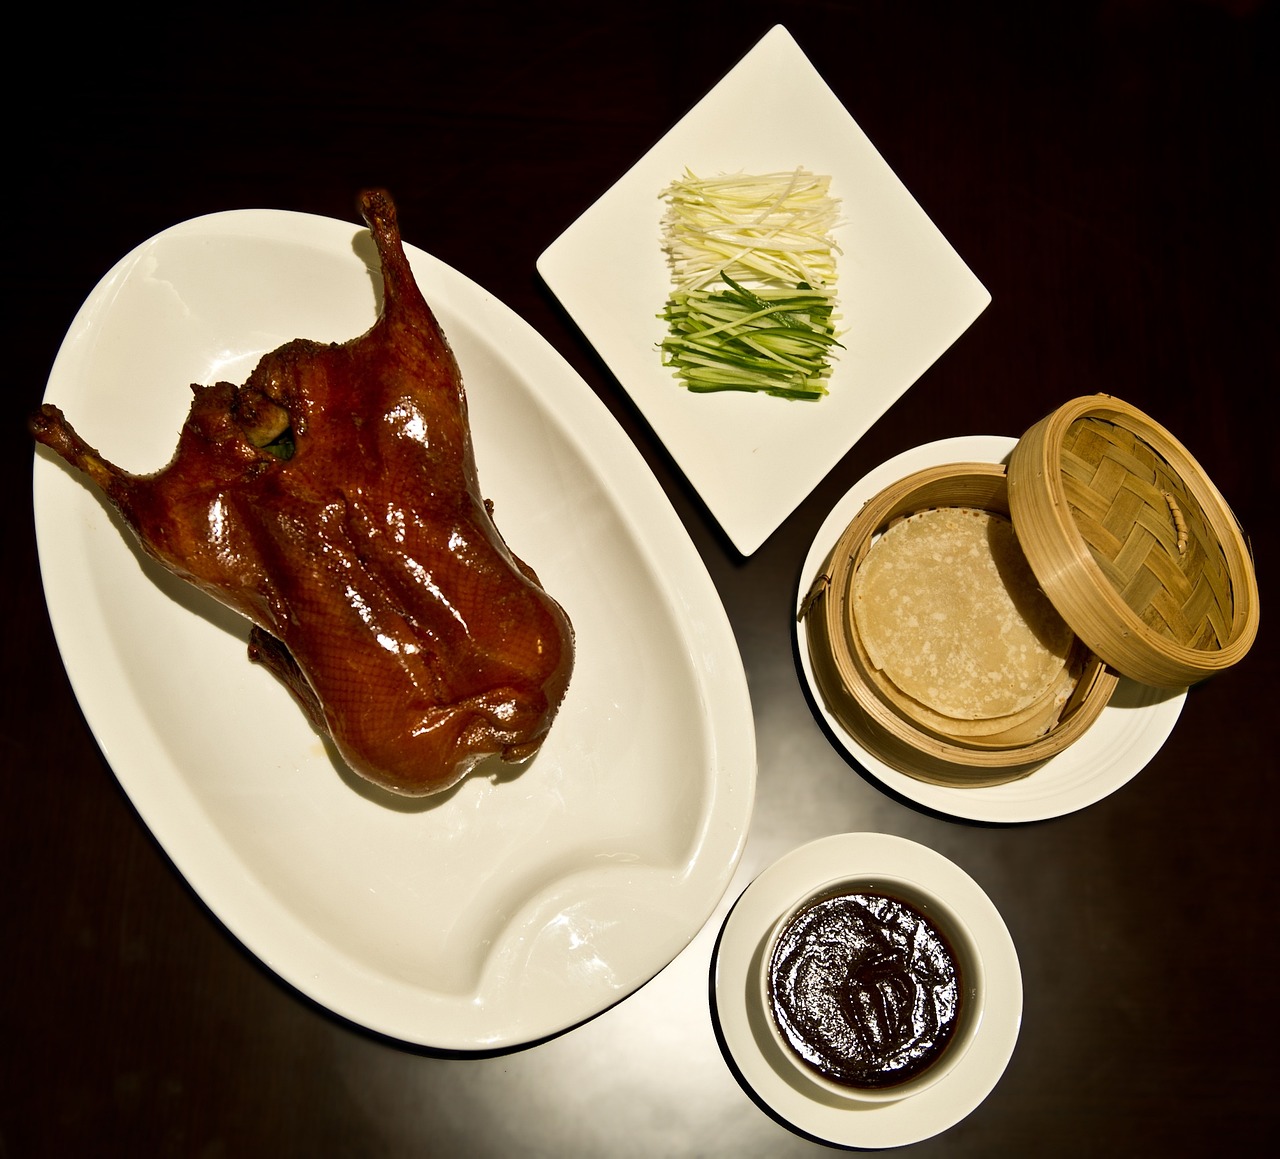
[1132, 543]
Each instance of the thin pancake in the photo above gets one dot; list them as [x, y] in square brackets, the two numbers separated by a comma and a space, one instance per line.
[946, 605]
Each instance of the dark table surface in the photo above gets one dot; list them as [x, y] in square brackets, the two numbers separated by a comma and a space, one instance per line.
[1108, 170]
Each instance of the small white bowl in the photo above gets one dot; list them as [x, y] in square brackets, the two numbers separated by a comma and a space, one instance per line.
[964, 950]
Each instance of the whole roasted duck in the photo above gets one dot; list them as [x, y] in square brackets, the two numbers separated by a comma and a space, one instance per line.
[333, 500]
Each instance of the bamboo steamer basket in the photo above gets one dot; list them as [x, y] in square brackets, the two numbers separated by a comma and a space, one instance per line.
[1128, 539]
[847, 680]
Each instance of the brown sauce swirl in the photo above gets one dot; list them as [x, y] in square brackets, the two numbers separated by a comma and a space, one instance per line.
[865, 989]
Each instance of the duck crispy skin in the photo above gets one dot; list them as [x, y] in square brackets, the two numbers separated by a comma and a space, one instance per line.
[333, 500]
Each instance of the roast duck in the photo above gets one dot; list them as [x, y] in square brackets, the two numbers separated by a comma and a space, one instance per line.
[333, 501]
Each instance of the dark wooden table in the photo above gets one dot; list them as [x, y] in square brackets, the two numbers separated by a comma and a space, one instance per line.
[1107, 169]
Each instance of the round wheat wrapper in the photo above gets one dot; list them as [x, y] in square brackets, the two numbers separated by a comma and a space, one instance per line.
[947, 606]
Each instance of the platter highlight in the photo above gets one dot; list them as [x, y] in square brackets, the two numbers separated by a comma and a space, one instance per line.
[515, 905]
[1126, 735]
[905, 295]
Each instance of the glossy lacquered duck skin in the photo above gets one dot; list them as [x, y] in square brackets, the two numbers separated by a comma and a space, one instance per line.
[333, 500]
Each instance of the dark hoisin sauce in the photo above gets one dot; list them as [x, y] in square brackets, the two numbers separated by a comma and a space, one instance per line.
[865, 989]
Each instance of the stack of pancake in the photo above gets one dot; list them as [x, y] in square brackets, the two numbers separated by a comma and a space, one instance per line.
[955, 632]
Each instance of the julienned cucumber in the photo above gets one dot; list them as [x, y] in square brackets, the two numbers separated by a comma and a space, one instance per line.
[772, 341]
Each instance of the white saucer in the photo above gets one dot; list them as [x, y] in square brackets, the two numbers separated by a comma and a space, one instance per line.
[1128, 733]
[740, 1014]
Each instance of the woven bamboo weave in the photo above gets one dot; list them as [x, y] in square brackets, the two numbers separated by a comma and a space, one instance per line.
[1132, 543]
[1119, 489]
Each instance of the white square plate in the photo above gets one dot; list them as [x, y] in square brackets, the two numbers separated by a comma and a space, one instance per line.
[904, 293]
